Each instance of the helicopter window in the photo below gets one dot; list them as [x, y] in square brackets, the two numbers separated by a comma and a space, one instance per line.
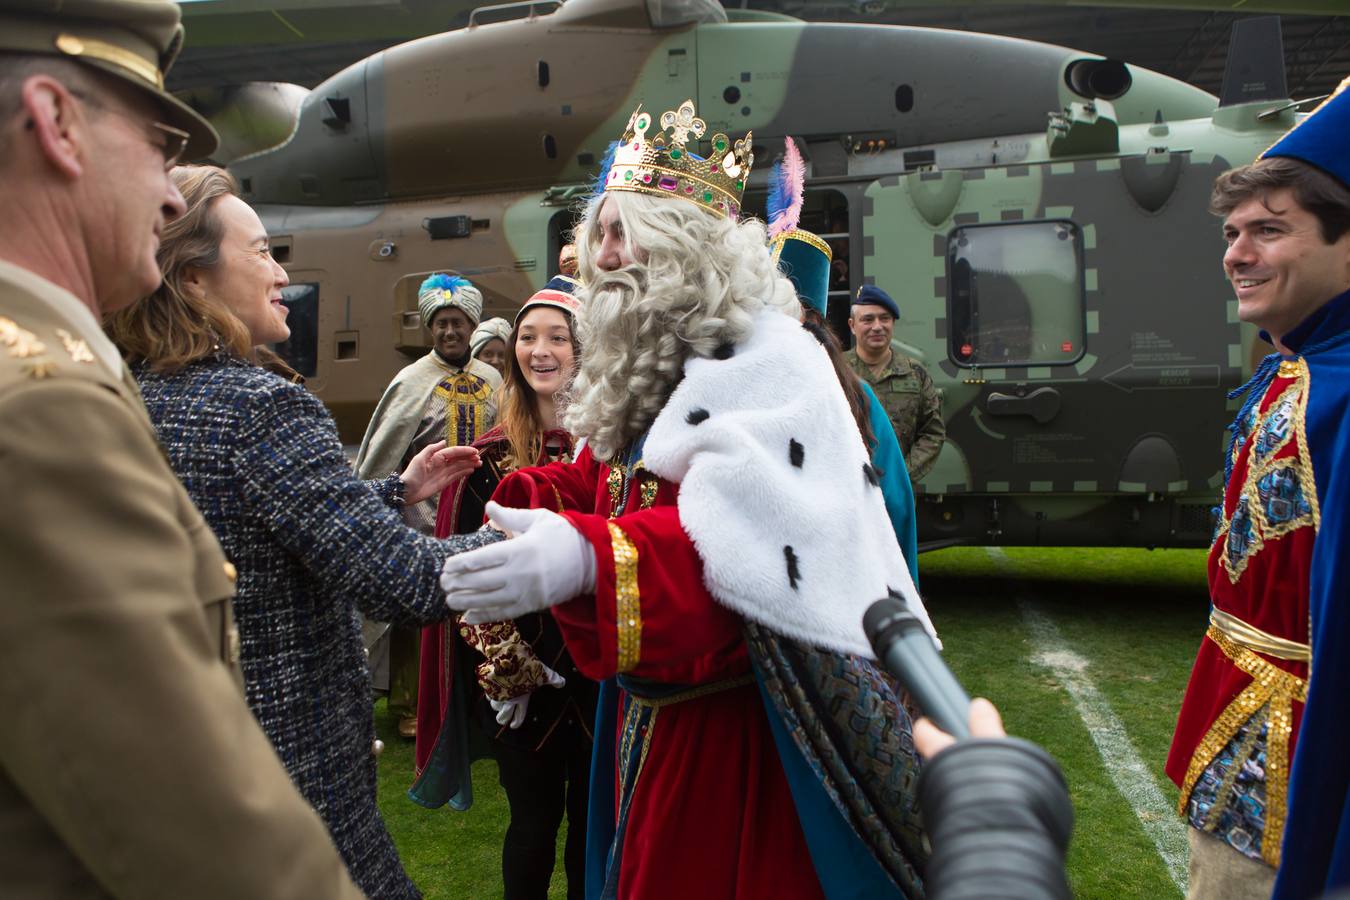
[301, 349]
[1015, 294]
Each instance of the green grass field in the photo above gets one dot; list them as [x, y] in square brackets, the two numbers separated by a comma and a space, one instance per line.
[1130, 620]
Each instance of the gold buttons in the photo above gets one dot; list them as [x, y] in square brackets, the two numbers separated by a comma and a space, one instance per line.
[231, 572]
[232, 644]
[377, 748]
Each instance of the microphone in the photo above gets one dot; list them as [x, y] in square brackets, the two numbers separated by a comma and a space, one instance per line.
[905, 649]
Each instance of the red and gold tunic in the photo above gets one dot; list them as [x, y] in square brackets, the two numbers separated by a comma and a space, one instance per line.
[1252, 665]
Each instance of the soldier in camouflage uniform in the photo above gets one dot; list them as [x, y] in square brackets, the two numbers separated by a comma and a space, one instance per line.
[903, 386]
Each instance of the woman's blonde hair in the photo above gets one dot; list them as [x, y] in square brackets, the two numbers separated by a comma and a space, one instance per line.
[173, 327]
[517, 409]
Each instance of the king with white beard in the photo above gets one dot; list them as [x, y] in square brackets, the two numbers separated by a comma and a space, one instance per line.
[709, 555]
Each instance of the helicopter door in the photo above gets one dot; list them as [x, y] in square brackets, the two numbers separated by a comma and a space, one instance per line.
[1078, 346]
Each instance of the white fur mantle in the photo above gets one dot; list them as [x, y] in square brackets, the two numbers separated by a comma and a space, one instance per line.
[744, 501]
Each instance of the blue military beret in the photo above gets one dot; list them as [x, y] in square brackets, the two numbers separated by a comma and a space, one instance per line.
[871, 295]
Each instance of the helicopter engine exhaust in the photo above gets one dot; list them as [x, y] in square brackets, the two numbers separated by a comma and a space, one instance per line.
[1098, 79]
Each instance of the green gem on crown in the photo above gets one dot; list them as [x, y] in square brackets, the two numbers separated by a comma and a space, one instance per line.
[720, 145]
[674, 153]
[628, 176]
[707, 196]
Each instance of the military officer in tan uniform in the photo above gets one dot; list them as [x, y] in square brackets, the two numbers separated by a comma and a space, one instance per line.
[130, 765]
[904, 387]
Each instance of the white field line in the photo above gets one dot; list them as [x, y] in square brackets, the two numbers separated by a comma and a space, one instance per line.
[1122, 762]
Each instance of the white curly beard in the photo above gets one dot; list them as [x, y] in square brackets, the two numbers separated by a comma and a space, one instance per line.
[631, 361]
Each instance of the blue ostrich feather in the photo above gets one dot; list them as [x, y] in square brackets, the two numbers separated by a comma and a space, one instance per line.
[606, 163]
[451, 283]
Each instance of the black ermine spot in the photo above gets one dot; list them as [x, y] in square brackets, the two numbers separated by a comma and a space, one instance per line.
[795, 452]
[794, 574]
[697, 415]
[724, 351]
[871, 475]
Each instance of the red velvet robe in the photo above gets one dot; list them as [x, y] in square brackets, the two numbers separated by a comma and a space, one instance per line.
[711, 815]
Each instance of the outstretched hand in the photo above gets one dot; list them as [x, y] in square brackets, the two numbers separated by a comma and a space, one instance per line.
[435, 468]
[546, 562]
[985, 722]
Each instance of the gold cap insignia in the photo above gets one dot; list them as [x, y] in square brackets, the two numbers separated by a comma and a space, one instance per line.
[112, 54]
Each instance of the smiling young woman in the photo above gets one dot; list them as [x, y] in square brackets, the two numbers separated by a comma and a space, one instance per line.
[528, 697]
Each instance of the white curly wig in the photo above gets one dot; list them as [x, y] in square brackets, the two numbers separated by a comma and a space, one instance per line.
[701, 281]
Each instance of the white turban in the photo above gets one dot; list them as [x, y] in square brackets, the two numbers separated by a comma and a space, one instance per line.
[440, 291]
[492, 328]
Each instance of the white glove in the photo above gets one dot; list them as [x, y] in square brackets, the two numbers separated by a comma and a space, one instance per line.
[511, 713]
[546, 562]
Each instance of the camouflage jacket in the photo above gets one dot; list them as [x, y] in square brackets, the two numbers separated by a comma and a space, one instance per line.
[914, 405]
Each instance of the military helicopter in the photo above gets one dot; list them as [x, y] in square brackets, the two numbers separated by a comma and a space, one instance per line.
[1057, 272]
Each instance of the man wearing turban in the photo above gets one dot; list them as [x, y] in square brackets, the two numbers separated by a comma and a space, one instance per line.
[445, 395]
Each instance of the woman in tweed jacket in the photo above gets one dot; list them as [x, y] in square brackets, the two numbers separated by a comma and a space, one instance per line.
[261, 458]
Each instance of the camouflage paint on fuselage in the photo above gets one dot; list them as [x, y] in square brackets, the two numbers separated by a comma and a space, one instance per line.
[1114, 437]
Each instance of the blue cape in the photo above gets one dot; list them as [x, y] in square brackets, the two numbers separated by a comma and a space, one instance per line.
[1315, 857]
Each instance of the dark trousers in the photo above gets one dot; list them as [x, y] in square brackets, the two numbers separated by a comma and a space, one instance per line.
[540, 786]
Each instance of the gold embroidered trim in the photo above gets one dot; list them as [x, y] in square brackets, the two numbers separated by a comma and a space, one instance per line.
[1271, 686]
[631, 727]
[466, 407]
[702, 690]
[1224, 794]
[1253, 638]
[77, 347]
[1305, 469]
[21, 342]
[1249, 496]
[627, 608]
[558, 496]
[806, 237]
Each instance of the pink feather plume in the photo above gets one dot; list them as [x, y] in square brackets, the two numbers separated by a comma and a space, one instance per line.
[792, 175]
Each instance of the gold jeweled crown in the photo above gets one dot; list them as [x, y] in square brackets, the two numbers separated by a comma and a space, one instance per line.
[665, 167]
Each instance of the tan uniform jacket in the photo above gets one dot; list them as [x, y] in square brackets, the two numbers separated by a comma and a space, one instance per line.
[130, 765]
[914, 405]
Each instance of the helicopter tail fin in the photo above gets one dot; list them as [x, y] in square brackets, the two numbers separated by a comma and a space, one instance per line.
[1255, 68]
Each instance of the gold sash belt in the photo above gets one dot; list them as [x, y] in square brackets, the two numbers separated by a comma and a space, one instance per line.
[1272, 692]
[1253, 638]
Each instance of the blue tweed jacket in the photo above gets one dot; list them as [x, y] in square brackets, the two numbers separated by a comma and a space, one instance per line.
[262, 460]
